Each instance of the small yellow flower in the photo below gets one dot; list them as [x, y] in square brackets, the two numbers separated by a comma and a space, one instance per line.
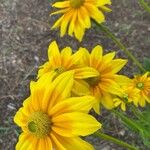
[103, 86]
[129, 95]
[77, 13]
[63, 61]
[142, 82]
[51, 120]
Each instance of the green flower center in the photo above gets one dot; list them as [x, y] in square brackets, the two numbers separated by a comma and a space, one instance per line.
[76, 3]
[59, 70]
[140, 85]
[125, 97]
[93, 81]
[39, 124]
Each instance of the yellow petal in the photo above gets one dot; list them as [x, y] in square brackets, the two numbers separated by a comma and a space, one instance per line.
[142, 102]
[65, 22]
[80, 88]
[107, 101]
[103, 2]
[96, 56]
[20, 118]
[56, 143]
[96, 107]
[44, 144]
[122, 80]
[108, 57]
[75, 124]
[58, 22]
[117, 65]
[80, 104]
[95, 13]
[106, 9]
[84, 18]
[79, 31]
[85, 72]
[54, 54]
[77, 57]
[25, 142]
[38, 89]
[61, 4]
[60, 89]
[66, 55]
[85, 56]
[72, 24]
[60, 11]
[74, 143]
[123, 106]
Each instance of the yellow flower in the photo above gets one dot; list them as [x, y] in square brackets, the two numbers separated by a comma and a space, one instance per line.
[142, 82]
[103, 86]
[77, 13]
[129, 95]
[60, 62]
[51, 120]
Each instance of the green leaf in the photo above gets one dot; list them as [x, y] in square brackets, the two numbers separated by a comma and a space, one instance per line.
[147, 63]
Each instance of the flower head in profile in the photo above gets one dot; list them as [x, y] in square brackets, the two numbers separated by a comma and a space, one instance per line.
[63, 61]
[142, 83]
[51, 120]
[77, 14]
[104, 86]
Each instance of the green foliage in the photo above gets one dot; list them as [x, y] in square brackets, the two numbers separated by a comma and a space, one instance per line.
[140, 124]
[147, 63]
[144, 5]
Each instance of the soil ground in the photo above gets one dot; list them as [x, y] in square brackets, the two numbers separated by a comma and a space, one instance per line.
[24, 37]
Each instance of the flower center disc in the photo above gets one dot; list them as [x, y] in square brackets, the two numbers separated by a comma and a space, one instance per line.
[76, 3]
[140, 85]
[39, 124]
[93, 81]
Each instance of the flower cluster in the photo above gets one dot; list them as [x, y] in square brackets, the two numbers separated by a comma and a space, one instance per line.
[136, 90]
[69, 85]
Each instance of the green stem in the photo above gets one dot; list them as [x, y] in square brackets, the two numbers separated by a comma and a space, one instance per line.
[127, 120]
[144, 5]
[120, 45]
[114, 140]
[138, 113]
